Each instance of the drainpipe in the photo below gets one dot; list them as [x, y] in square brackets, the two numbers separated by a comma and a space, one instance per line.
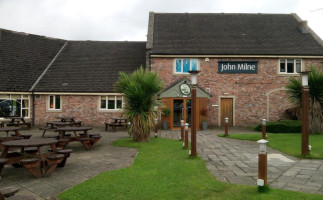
[33, 104]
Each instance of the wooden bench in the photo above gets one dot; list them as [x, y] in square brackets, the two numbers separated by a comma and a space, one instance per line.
[46, 129]
[66, 153]
[2, 163]
[18, 123]
[114, 123]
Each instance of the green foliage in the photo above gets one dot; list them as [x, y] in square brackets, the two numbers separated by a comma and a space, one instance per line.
[287, 143]
[263, 189]
[140, 89]
[166, 112]
[284, 126]
[163, 170]
[315, 83]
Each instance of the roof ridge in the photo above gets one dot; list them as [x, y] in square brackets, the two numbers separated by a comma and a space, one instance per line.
[48, 66]
[30, 34]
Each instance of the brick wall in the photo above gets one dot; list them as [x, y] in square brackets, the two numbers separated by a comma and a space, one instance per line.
[82, 107]
[251, 92]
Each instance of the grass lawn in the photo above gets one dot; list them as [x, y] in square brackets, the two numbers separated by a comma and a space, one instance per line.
[289, 143]
[163, 170]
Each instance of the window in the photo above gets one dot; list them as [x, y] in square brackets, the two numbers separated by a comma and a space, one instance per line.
[14, 105]
[290, 66]
[184, 65]
[111, 102]
[54, 102]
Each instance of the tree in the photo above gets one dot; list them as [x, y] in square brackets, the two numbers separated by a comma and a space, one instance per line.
[140, 90]
[294, 90]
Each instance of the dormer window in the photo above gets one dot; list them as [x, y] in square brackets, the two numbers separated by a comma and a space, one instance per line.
[184, 65]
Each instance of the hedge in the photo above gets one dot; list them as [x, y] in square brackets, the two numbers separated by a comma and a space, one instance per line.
[284, 126]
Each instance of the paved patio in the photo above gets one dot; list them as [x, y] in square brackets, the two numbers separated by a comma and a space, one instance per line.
[230, 160]
[81, 165]
[236, 161]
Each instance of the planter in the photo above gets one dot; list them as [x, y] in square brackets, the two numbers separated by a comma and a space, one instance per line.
[165, 125]
[204, 126]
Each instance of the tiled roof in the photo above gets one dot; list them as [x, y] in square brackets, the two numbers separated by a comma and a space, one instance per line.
[23, 57]
[92, 66]
[230, 34]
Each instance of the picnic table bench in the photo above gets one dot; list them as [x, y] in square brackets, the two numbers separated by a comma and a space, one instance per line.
[18, 121]
[89, 141]
[31, 157]
[115, 122]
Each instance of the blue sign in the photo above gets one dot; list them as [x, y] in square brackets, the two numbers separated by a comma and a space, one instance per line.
[238, 67]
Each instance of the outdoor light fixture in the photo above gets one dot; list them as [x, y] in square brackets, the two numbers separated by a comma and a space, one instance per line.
[305, 113]
[264, 122]
[262, 163]
[226, 120]
[194, 76]
[186, 126]
[305, 78]
[262, 146]
[182, 123]
[156, 121]
[193, 111]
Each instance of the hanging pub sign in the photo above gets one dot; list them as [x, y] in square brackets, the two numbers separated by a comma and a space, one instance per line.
[238, 67]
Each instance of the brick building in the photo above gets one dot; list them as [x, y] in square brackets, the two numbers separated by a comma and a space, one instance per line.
[245, 61]
[42, 78]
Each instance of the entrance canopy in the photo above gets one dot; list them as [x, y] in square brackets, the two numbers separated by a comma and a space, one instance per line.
[182, 88]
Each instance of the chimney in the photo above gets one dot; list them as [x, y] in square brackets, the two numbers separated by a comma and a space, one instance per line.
[303, 27]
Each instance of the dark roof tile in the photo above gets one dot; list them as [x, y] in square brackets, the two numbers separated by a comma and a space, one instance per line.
[231, 34]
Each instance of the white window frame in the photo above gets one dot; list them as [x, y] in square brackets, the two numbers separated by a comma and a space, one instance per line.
[54, 103]
[294, 63]
[115, 98]
[22, 97]
[182, 59]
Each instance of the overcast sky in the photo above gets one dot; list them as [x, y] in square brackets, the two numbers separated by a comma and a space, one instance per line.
[128, 19]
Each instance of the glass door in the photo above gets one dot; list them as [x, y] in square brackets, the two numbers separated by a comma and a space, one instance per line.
[188, 111]
[178, 109]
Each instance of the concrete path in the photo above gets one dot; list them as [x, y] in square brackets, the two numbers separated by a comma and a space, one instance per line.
[236, 161]
[81, 165]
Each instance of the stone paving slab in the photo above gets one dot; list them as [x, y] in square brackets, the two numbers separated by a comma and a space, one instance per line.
[80, 166]
[236, 161]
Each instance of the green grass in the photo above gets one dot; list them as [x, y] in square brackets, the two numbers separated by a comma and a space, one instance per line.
[288, 143]
[163, 170]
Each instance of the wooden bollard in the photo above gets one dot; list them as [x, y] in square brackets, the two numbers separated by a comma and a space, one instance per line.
[264, 135]
[262, 163]
[186, 136]
[182, 130]
[226, 131]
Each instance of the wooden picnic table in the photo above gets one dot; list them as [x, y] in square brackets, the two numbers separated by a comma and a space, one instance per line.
[115, 122]
[31, 160]
[17, 121]
[66, 119]
[89, 141]
[9, 129]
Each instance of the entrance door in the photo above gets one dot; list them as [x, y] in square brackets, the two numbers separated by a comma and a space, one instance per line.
[227, 111]
[181, 110]
[178, 112]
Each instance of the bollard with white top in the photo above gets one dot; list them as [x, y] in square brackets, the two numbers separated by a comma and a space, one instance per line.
[226, 121]
[264, 135]
[182, 130]
[262, 163]
[186, 136]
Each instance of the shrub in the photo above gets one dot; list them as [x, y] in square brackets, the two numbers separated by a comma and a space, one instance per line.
[284, 126]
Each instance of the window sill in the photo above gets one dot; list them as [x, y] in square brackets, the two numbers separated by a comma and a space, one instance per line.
[54, 110]
[110, 111]
[286, 74]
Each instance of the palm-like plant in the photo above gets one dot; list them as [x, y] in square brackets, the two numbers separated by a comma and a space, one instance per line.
[315, 82]
[140, 89]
